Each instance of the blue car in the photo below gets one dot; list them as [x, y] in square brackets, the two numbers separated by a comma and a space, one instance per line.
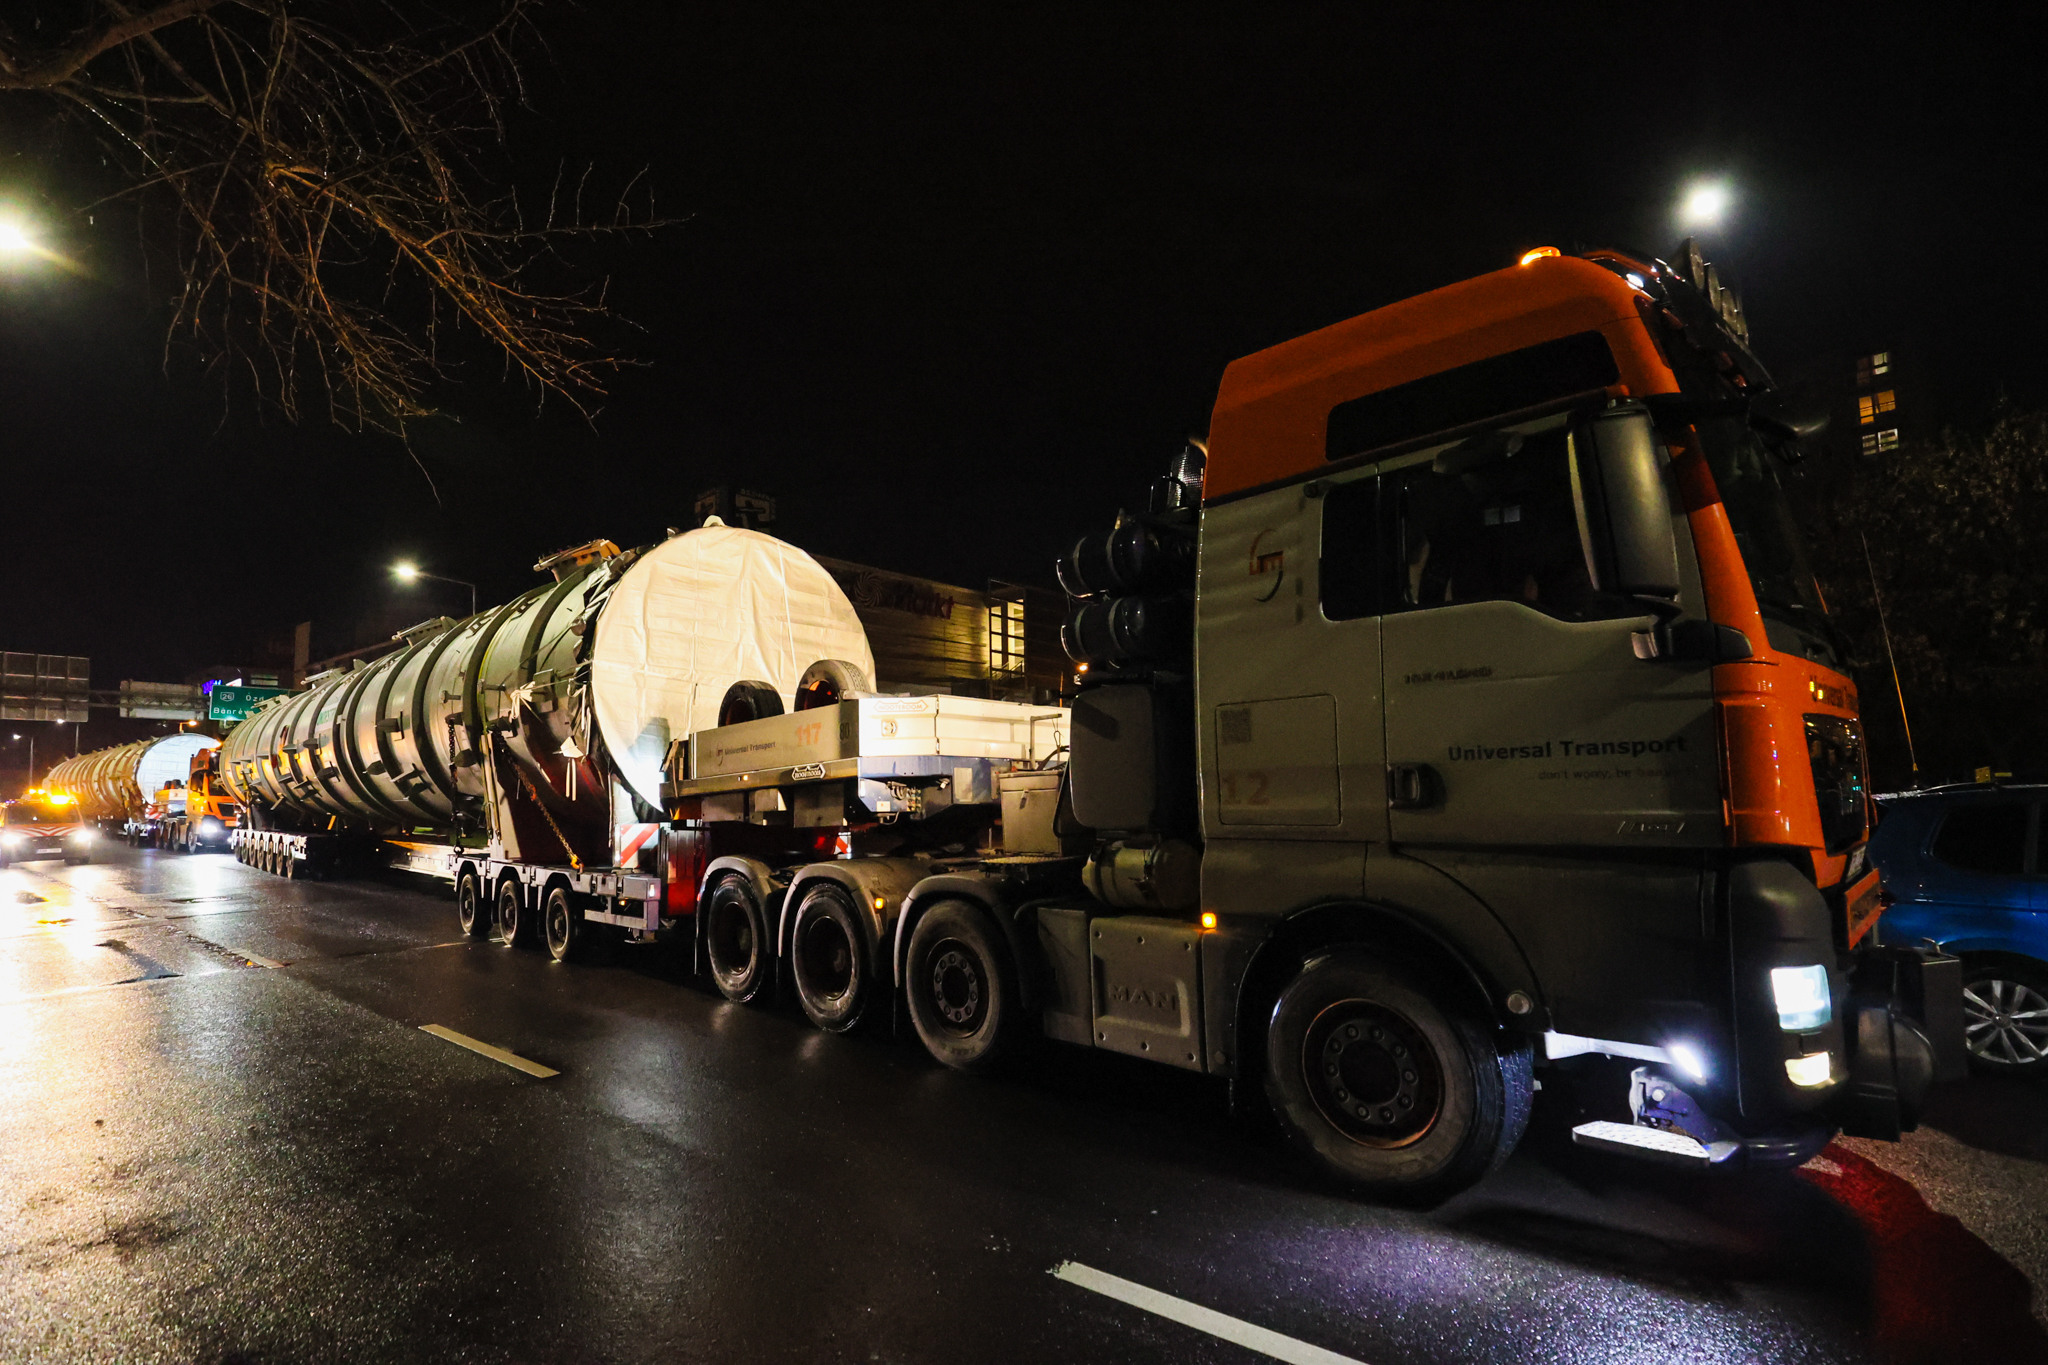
[1967, 868]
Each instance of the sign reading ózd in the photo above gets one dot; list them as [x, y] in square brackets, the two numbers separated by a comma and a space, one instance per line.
[235, 703]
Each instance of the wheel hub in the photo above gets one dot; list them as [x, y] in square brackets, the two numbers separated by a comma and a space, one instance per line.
[2007, 1021]
[828, 961]
[956, 986]
[1372, 1074]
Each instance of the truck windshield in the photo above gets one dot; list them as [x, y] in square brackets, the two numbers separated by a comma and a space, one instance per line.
[38, 813]
[1746, 472]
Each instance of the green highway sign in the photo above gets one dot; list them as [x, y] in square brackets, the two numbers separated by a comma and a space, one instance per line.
[235, 703]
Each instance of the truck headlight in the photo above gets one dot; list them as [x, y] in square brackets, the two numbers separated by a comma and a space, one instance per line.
[1809, 1071]
[81, 835]
[11, 838]
[1802, 997]
[209, 826]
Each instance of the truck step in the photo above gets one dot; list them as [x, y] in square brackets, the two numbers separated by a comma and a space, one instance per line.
[1652, 1144]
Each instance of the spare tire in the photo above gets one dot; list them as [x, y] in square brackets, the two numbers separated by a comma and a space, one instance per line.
[749, 700]
[829, 682]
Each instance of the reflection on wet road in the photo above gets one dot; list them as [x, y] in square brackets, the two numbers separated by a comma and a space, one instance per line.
[225, 1135]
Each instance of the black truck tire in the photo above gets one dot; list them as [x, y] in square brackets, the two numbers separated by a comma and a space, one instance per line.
[562, 920]
[962, 987]
[515, 915]
[829, 959]
[737, 944]
[1387, 1086]
[470, 910]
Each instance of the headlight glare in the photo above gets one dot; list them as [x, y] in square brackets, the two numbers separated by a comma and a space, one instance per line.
[1809, 1071]
[1802, 997]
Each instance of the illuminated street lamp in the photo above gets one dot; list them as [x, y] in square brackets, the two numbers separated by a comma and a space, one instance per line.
[406, 572]
[1704, 205]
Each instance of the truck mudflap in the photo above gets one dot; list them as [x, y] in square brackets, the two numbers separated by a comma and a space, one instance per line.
[1907, 1010]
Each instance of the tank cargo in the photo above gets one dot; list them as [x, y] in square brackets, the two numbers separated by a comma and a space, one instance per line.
[519, 754]
[119, 788]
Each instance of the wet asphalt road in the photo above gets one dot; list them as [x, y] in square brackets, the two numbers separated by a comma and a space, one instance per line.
[225, 1138]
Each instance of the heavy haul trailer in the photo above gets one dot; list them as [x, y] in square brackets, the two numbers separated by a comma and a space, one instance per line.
[1465, 712]
[517, 754]
[800, 842]
[118, 788]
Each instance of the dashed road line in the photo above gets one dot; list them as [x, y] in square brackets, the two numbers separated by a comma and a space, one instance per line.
[496, 1054]
[1265, 1342]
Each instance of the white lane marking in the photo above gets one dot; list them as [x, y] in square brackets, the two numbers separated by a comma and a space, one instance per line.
[1194, 1315]
[496, 1054]
[256, 959]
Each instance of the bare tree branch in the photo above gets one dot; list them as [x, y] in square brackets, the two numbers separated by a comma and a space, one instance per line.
[317, 161]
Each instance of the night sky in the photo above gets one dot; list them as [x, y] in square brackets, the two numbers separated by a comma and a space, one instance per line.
[953, 281]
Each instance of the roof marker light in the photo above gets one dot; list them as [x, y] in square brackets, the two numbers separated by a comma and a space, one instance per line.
[1534, 254]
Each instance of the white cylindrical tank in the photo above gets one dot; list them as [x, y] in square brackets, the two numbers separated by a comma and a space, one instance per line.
[110, 783]
[604, 666]
[696, 614]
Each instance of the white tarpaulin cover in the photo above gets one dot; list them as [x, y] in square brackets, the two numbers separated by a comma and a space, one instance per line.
[170, 757]
[696, 614]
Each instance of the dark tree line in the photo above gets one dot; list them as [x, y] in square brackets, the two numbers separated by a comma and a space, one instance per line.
[1956, 530]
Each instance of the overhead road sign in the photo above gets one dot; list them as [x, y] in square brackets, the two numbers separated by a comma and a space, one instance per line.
[235, 703]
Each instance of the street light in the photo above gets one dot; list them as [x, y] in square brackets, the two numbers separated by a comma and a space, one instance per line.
[406, 572]
[1704, 204]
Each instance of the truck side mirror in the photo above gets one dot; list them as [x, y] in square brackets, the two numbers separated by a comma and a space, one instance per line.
[1637, 502]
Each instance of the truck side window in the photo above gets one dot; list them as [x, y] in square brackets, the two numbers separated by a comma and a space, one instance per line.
[1350, 563]
[1989, 838]
[1497, 520]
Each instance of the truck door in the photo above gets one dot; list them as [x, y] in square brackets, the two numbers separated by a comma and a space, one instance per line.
[1293, 783]
[1517, 710]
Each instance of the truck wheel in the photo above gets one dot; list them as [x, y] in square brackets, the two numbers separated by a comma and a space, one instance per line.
[962, 987]
[515, 919]
[2005, 1016]
[1389, 1091]
[562, 918]
[829, 960]
[736, 939]
[469, 907]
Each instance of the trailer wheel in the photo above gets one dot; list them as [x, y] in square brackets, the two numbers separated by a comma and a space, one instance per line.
[828, 958]
[736, 939]
[562, 918]
[469, 907]
[962, 987]
[515, 917]
[1388, 1088]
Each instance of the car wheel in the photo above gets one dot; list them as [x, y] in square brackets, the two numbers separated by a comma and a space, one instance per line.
[2005, 1016]
[1388, 1086]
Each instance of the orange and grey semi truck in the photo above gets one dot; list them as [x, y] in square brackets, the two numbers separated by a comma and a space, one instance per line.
[1461, 720]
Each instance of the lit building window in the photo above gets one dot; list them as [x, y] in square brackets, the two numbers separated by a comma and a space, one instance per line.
[1876, 442]
[1865, 413]
[1886, 401]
